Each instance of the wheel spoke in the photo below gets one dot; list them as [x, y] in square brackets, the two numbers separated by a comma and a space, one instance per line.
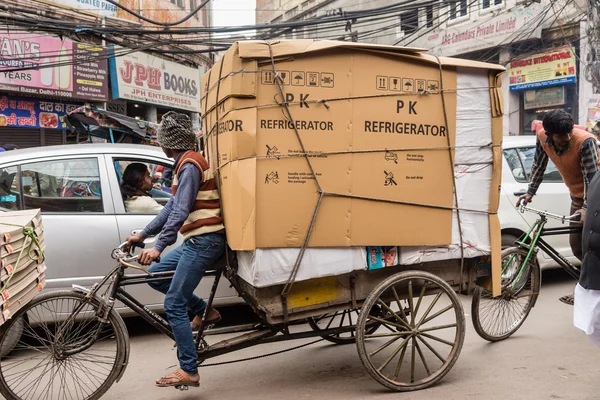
[437, 328]
[421, 295]
[400, 361]
[410, 303]
[422, 357]
[437, 314]
[432, 349]
[433, 303]
[397, 298]
[412, 362]
[437, 339]
[385, 345]
[401, 320]
[394, 354]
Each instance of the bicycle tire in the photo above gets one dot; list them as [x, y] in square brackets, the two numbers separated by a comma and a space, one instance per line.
[52, 345]
[498, 305]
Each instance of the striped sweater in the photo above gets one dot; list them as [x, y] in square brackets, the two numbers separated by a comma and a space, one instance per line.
[205, 215]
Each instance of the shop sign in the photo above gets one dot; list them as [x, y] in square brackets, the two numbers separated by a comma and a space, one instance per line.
[99, 7]
[23, 112]
[147, 79]
[24, 55]
[462, 38]
[545, 97]
[552, 68]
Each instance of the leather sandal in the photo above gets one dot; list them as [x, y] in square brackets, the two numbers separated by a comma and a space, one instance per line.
[178, 378]
[569, 299]
[211, 321]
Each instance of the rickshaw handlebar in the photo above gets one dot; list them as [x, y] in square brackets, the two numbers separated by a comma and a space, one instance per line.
[575, 217]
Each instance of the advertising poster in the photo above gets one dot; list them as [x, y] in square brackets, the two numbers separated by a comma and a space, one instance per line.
[23, 112]
[552, 68]
[67, 78]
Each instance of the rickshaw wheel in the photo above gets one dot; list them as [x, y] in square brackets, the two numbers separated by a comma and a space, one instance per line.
[341, 319]
[414, 351]
[497, 318]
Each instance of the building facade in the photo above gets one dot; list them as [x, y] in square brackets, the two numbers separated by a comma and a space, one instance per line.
[542, 43]
[42, 76]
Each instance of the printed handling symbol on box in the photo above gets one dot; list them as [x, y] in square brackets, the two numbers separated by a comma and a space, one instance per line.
[267, 78]
[273, 152]
[391, 156]
[285, 77]
[395, 83]
[408, 84]
[272, 177]
[389, 179]
[382, 82]
[327, 79]
[298, 78]
[312, 79]
[421, 85]
[433, 86]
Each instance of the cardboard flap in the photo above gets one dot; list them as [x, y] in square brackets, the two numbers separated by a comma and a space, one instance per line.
[260, 48]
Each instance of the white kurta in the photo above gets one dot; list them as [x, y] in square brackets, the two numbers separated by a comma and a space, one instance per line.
[587, 312]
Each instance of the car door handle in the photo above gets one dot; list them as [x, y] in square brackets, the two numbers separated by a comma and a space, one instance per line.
[520, 193]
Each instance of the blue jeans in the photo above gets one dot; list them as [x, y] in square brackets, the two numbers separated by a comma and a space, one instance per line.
[189, 261]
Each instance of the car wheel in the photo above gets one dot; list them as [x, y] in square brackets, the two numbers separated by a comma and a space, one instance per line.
[508, 240]
[13, 337]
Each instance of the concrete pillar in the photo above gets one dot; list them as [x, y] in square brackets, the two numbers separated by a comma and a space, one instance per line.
[511, 119]
[151, 114]
[586, 88]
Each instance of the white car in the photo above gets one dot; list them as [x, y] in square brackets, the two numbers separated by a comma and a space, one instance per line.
[552, 196]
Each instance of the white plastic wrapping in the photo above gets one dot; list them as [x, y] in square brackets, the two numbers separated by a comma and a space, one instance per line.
[267, 267]
[472, 171]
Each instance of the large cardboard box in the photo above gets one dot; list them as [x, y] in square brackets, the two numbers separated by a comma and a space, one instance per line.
[354, 141]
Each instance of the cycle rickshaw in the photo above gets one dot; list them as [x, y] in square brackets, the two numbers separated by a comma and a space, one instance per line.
[409, 331]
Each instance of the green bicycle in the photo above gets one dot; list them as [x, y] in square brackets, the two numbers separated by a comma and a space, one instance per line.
[497, 318]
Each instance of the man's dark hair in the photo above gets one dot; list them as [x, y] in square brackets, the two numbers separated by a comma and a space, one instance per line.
[558, 122]
[10, 146]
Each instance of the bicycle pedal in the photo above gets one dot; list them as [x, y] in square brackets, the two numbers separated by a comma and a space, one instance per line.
[182, 387]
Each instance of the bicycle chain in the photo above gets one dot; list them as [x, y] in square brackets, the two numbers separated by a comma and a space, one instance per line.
[259, 357]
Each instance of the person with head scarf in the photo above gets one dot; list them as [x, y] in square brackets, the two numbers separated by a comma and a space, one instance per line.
[135, 187]
[195, 212]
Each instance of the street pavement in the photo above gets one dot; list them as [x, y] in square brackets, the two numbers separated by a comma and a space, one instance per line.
[546, 359]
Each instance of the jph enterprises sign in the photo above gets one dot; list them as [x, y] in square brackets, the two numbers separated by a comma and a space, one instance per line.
[552, 68]
[148, 79]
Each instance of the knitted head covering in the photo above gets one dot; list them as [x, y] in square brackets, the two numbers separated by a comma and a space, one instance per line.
[175, 132]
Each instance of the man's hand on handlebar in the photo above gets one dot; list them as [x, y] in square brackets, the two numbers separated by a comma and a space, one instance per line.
[139, 238]
[524, 200]
[148, 256]
[581, 213]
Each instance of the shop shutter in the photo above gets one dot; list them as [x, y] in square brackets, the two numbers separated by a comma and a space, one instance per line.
[22, 137]
[53, 137]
